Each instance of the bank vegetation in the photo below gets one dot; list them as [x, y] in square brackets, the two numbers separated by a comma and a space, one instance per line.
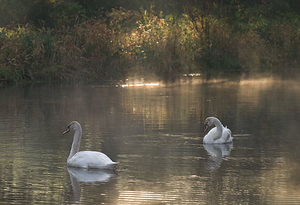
[117, 43]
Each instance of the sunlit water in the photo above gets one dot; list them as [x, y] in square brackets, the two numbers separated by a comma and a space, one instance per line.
[155, 133]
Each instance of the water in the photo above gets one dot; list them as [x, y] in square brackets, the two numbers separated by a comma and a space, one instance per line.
[155, 133]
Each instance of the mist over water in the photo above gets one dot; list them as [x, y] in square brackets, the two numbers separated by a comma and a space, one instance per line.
[155, 132]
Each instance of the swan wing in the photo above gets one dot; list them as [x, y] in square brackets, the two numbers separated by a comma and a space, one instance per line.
[226, 136]
[210, 136]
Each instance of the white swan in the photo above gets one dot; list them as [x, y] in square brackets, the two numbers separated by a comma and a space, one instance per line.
[218, 134]
[85, 159]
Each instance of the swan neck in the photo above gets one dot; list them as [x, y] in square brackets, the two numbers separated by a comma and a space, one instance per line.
[76, 143]
[219, 126]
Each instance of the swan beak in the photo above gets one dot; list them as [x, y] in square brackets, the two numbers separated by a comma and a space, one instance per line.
[66, 131]
[205, 127]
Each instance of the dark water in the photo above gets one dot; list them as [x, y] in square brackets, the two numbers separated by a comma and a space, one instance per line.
[155, 133]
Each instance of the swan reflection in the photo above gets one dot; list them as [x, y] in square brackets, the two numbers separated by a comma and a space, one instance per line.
[78, 175]
[217, 152]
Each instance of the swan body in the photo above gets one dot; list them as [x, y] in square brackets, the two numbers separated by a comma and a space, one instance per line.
[85, 159]
[90, 159]
[217, 135]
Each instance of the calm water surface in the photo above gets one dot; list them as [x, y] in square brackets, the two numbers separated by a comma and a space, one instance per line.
[155, 133]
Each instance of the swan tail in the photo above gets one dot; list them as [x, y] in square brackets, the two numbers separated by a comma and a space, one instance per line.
[229, 136]
[228, 130]
[112, 165]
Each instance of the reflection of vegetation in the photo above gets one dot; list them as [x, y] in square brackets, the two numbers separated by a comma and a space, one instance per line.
[73, 40]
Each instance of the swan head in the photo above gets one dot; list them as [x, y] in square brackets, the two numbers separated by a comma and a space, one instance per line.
[74, 125]
[208, 122]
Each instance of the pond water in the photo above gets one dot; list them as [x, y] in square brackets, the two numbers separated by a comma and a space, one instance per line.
[155, 133]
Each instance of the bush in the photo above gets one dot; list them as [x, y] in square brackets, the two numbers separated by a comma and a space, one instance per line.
[142, 43]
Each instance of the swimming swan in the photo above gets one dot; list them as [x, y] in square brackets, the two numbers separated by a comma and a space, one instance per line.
[218, 134]
[85, 159]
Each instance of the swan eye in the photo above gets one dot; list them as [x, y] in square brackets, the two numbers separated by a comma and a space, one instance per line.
[69, 126]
